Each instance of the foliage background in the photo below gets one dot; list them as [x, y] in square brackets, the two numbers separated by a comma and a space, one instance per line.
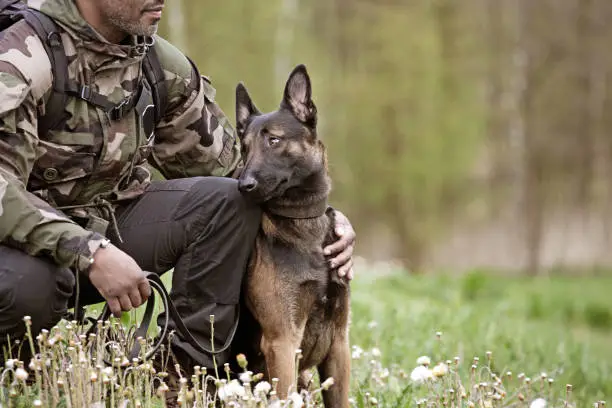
[461, 134]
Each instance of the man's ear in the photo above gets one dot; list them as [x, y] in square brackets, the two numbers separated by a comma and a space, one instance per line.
[244, 108]
[298, 96]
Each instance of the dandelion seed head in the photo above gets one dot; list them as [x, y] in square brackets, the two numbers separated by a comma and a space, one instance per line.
[356, 353]
[423, 361]
[262, 387]
[233, 389]
[296, 400]
[245, 376]
[538, 403]
[21, 374]
[421, 374]
[440, 370]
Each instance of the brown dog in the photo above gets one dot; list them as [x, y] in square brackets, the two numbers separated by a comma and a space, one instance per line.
[293, 300]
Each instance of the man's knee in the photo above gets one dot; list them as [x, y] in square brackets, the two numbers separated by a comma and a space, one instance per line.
[34, 287]
[223, 193]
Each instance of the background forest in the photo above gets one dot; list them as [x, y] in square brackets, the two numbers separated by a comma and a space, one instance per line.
[461, 134]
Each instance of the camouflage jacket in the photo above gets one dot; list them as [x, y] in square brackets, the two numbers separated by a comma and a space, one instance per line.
[93, 157]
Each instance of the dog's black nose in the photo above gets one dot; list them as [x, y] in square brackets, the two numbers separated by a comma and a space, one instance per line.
[247, 184]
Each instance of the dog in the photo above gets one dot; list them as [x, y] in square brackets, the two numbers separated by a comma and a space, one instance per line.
[293, 299]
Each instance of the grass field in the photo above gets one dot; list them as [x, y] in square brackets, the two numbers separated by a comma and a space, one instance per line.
[561, 327]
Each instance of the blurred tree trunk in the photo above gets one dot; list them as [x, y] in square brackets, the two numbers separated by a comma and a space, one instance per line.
[496, 130]
[344, 40]
[403, 214]
[584, 70]
[285, 28]
[524, 136]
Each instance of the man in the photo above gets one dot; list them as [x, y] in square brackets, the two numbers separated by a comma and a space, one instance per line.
[64, 191]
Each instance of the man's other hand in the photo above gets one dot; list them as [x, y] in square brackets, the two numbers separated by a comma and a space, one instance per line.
[119, 279]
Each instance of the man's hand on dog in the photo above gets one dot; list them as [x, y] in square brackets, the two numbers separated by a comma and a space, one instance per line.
[342, 249]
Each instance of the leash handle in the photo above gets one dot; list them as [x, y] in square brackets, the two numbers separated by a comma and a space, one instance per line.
[171, 312]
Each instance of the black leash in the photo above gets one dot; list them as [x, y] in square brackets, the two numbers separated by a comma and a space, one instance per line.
[171, 312]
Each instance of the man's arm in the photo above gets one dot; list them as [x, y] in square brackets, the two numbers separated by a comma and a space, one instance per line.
[27, 222]
[195, 138]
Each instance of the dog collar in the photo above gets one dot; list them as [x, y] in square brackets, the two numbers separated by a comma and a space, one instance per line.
[289, 210]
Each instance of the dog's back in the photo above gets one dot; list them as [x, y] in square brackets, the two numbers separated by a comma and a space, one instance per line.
[293, 300]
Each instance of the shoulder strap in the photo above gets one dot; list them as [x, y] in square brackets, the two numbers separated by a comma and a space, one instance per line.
[55, 115]
[49, 34]
[5, 3]
[155, 76]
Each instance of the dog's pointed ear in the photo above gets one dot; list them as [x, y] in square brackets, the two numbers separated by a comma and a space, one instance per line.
[244, 108]
[298, 96]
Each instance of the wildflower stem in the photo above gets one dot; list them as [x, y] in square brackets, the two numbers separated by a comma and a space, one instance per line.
[212, 344]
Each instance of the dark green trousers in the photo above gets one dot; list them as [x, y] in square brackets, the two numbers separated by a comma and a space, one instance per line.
[201, 226]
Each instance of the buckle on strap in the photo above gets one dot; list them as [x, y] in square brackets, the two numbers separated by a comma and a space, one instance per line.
[85, 92]
[117, 112]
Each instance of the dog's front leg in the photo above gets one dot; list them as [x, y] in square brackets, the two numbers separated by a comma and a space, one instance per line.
[337, 364]
[280, 361]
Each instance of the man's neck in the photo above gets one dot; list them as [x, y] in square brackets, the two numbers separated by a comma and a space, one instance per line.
[93, 15]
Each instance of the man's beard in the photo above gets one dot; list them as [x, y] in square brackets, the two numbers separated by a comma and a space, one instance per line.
[135, 28]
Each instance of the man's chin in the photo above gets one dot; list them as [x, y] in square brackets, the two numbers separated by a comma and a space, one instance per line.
[151, 29]
[146, 28]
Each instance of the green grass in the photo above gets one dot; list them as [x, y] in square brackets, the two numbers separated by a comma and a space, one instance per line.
[561, 327]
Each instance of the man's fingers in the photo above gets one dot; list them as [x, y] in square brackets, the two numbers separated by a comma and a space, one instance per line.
[346, 270]
[126, 303]
[145, 290]
[114, 306]
[135, 298]
[338, 246]
[342, 258]
[341, 244]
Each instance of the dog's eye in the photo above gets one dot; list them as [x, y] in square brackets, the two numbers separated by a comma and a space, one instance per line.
[273, 140]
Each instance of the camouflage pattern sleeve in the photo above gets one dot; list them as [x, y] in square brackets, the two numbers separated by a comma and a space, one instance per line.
[195, 138]
[27, 222]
